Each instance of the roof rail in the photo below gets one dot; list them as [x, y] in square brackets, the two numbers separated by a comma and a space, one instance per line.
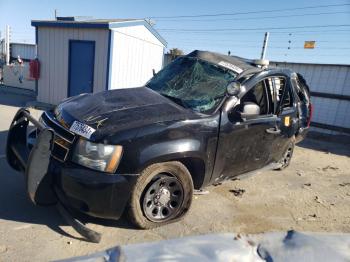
[249, 71]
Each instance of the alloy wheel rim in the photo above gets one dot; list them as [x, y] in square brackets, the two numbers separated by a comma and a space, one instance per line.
[288, 156]
[163, 198]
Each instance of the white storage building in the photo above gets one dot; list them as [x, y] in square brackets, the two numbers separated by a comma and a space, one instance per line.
[94, 55]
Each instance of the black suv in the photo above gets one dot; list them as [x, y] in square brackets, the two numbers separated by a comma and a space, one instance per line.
[204, 118]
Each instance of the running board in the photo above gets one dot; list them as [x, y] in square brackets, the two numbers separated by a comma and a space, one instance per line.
[78, 226]
[271, 166]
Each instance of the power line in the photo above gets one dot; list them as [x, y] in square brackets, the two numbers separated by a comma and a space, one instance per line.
[144, 40]
[298, 54]
[334, 31]
[249, 12]
[249, 29]
[255, 40]
[253, 52]
[276, 47]
[269, 52]
[293, 40]
[294, 46]
[255, 18]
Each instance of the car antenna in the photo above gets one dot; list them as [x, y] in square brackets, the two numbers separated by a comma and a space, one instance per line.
[262, 62]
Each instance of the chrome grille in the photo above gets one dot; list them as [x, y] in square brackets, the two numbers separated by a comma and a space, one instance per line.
[63, 140]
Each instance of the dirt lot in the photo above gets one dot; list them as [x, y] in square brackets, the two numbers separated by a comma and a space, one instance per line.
[313, 194]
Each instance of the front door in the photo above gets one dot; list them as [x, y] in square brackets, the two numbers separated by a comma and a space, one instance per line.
[286, 112]
[245, 145]
[81, 67]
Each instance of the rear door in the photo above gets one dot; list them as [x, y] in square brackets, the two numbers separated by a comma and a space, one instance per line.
[304, 106]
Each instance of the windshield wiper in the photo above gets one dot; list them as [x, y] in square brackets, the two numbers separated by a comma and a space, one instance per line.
[176, 100]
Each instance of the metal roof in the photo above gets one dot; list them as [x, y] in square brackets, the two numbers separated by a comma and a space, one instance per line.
[98, 23]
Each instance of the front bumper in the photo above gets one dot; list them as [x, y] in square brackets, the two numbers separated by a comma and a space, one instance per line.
[91, 192]
[49, 180]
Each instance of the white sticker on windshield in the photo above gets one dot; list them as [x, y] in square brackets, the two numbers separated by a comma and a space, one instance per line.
[231, 67]
[82, 129]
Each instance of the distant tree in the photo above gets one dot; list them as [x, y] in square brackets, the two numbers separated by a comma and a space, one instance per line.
[175, 52]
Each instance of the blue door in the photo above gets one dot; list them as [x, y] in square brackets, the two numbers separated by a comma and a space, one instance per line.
[81, 67]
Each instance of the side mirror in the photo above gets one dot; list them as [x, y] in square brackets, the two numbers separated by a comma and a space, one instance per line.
[250, 110]
[234, 88]
[153, 72]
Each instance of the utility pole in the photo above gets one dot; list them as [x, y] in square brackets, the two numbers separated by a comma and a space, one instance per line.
[7, 45]
[55, 14]
[266, 39]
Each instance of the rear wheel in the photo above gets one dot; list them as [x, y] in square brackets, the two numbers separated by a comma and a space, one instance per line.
[287, 156]
[162, 194]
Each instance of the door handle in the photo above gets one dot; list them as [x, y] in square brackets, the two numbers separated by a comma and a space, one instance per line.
[273, 130]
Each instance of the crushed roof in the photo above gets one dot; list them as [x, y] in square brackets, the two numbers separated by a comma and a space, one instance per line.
[216, 58]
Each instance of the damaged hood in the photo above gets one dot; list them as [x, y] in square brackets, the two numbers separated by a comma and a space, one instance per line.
[111, 111]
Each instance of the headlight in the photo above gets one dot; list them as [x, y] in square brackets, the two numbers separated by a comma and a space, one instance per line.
[100, 157]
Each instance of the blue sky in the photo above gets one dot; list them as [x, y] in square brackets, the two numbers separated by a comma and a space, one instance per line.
[332, 43]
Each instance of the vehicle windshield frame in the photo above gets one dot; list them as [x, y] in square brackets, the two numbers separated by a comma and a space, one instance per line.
[220, 101]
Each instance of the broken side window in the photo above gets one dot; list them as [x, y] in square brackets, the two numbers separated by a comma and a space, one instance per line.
[271, 94]
[302, 89]
[283, 98]
[260, 95]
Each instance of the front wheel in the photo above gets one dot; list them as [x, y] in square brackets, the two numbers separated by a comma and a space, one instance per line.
[162, 194]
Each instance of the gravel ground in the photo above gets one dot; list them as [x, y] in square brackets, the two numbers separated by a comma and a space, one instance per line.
[313, 194]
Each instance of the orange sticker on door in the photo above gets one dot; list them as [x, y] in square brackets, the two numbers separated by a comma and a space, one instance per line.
[287, 121]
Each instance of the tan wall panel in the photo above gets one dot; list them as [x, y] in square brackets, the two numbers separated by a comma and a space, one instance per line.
[53, 52]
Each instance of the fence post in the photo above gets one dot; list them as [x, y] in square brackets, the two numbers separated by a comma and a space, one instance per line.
[7, 45]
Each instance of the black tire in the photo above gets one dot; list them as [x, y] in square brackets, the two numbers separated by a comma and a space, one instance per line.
[170, 200]
[287, 155]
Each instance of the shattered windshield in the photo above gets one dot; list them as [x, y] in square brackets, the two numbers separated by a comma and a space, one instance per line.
[193, 83]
